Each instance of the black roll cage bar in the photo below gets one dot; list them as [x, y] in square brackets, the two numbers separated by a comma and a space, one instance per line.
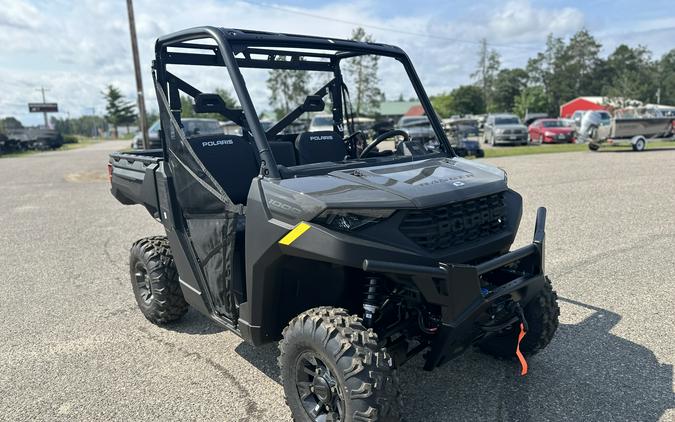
[232, 42]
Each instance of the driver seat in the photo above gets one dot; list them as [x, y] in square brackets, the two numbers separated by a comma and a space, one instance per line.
[317, 147]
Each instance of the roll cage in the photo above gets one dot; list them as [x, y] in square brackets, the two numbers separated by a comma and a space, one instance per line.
[235, 49]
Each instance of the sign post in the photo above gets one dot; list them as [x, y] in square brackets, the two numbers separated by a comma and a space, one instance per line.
[44, 107]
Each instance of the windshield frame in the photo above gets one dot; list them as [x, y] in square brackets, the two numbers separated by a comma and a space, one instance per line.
[233, 49]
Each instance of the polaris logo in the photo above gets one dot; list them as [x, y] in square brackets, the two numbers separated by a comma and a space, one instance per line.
[216, 143]
[476, 220]
[320, 138]
[458, 183]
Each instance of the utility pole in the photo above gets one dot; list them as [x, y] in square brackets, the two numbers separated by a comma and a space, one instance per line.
[42, 89]
[139, 81]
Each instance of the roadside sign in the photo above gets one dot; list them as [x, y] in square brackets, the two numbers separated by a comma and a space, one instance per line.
[43, 107]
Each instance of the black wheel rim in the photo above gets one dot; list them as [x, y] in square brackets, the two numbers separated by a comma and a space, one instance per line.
[318, 389]
[143, 283]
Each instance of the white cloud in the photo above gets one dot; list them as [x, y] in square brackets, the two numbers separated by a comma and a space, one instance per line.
[519, 21]
[17, 14]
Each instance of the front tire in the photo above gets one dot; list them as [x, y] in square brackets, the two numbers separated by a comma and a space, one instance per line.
[593, 147]
[332, 369]
[154, 280]
[542, 318]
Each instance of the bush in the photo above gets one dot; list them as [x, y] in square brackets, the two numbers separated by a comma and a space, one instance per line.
[70, 139]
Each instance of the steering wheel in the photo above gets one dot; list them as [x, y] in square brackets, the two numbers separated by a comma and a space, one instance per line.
[385, 135]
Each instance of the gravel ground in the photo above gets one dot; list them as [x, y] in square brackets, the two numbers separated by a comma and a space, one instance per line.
[74, 347]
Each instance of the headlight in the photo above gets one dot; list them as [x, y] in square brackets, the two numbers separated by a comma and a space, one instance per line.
[499, 131]
[549, 134]
[351, 219]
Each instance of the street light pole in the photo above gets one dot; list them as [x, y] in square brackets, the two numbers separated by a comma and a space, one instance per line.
[139, 81]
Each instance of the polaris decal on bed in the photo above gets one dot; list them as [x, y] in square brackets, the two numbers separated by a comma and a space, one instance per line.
[320, 138]
[216, 143]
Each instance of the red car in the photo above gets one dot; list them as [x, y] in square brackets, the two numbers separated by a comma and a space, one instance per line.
[550, 131]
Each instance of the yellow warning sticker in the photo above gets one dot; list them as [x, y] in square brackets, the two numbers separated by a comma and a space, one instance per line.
[297, 231]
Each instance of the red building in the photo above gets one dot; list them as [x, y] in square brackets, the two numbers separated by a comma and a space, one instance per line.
[582, 103]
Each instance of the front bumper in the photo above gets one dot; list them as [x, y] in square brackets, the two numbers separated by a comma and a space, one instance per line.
[456, 289]
[557, 139]
[515, 138]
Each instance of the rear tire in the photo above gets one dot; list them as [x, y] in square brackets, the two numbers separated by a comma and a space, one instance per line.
[331, 366]
[154, 280]
[542, 318]
[593, 147]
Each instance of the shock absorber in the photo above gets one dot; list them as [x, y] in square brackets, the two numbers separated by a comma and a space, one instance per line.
[371, 301]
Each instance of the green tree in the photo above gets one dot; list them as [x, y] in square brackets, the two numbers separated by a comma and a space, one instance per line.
[188, 110]
[118, 110]
[468, 99]
[508, 85]
[83, 125]
[288, 89]
[545, 69]
[362, 74]
[666, 78]
[532, 99]
[443, 104]
[579, 62]
[9, 123]
[486, 71]
[632, 75]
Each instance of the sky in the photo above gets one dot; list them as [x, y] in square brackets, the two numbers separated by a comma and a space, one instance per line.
[75, 48]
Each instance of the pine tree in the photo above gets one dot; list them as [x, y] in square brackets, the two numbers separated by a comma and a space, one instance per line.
[288, 88]
[118, 110]
[361, 71]
[488, 66]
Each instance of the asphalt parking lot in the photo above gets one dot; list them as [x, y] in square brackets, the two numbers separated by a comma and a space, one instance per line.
[74, 347]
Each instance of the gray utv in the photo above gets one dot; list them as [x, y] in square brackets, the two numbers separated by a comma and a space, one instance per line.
[356, 253]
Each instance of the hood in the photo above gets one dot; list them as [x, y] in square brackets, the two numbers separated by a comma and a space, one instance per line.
[419, 184]
[557, 130]
[511, 126]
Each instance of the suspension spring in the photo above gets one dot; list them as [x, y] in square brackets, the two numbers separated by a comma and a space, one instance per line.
[372, 300]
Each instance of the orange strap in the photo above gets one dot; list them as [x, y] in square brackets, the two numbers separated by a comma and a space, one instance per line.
[521, 358]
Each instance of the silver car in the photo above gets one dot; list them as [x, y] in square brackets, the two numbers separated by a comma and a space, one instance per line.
[504, 129]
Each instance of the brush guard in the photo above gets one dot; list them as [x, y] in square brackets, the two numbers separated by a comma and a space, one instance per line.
[457, 290]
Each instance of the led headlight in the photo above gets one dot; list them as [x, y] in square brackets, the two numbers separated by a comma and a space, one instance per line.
[499, 131]
[549, 134]
[351, 219]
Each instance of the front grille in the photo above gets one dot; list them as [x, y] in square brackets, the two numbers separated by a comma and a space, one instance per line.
[452, 225]
[513, 132]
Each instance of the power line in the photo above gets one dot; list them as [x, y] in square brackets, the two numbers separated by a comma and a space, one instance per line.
[381, 28]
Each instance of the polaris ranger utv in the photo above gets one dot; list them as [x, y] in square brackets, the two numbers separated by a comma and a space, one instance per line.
[357, 254]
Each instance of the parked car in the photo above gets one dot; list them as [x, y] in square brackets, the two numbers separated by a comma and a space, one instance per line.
[551, 131]
[32, 138]
[191, 126]
[504, 128]
[321, 122]
[533, 117]
[418, 127]
[3, 143]
[153, 138]
[467, 125]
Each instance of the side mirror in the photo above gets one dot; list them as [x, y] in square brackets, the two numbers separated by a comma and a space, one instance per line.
[313, 103]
